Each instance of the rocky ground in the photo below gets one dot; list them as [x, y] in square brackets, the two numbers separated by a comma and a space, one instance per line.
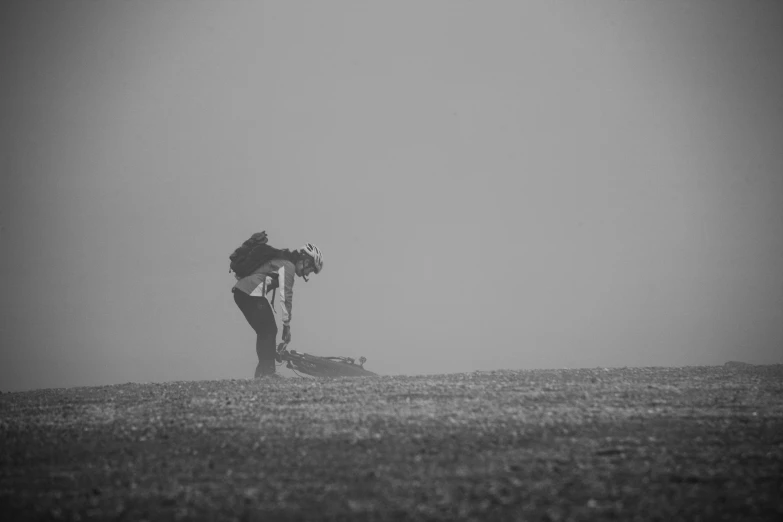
[697, 443]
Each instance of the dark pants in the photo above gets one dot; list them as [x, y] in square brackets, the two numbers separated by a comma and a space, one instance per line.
[260, 316]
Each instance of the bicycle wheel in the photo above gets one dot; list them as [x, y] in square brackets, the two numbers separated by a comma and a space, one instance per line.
[323, 367]
[299, 364]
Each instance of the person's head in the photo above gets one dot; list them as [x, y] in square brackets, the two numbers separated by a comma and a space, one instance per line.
[310, 260]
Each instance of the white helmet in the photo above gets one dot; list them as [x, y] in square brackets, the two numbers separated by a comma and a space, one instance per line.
[312, 250]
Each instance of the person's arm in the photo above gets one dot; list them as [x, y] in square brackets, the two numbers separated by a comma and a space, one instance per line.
[287, 275]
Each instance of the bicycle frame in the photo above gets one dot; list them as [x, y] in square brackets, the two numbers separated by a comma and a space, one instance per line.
[317, 366]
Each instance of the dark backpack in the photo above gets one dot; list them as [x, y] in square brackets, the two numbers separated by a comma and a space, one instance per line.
[253, 253]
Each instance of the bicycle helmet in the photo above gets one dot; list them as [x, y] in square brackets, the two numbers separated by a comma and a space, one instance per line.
[312, 251]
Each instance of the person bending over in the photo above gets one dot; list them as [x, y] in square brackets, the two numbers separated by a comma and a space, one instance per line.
[250, 295]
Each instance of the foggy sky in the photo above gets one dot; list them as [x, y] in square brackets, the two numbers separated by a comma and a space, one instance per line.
[493, 184]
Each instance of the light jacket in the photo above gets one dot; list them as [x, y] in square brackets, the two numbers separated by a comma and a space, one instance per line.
[261, 282]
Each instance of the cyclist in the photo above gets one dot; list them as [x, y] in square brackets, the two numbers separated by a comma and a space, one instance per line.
[250, 295]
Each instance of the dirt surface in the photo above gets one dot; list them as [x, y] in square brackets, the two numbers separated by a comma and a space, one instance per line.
[697, 443]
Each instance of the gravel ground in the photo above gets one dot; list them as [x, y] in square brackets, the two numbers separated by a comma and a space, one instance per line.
[695, 443]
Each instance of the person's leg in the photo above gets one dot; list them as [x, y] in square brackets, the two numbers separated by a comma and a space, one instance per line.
[261, 318]
[266, 339]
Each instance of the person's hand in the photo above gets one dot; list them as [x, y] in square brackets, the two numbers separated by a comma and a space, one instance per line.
[286, 333]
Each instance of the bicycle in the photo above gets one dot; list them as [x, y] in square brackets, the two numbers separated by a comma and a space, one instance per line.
[318, 366]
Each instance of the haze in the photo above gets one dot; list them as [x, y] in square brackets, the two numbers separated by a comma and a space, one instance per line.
[493, 184]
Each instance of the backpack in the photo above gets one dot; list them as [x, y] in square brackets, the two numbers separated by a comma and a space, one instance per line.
[251, 254]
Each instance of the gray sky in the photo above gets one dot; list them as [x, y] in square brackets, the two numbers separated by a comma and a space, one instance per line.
[498, 184]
